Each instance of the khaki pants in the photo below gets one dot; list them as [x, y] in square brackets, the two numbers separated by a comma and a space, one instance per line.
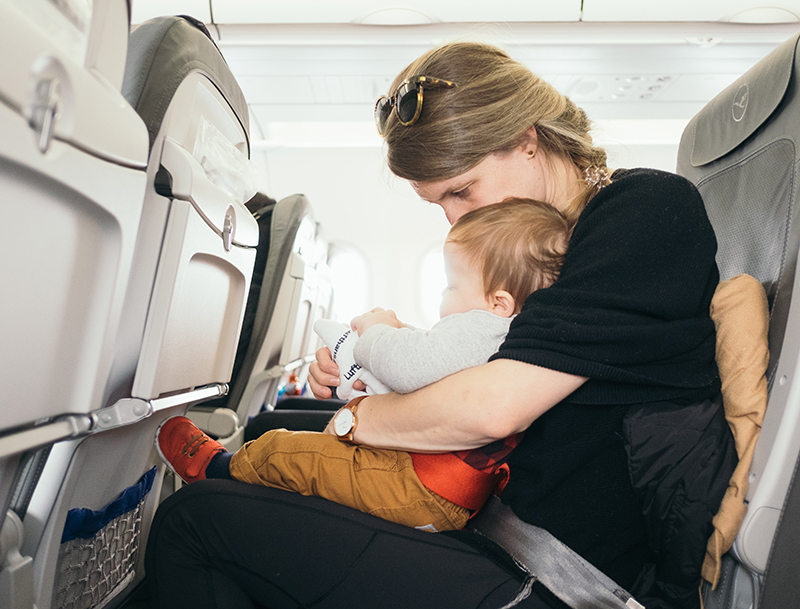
[375, 481]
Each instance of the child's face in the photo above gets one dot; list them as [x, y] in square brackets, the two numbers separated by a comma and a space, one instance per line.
[464, 291]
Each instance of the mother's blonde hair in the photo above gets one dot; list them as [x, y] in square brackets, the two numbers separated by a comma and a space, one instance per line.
[497, 102]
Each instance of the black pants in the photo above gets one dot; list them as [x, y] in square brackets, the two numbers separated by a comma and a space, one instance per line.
[226, 544]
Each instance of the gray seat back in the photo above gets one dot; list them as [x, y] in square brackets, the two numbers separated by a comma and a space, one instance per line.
[742, 152]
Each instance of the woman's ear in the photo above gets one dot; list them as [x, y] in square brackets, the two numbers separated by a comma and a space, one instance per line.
[530, 145]
[503, 303]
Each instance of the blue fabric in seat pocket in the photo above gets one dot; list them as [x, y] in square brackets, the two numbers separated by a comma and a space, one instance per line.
[84, 523]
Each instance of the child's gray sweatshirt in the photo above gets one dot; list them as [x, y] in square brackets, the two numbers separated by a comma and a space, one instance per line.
[407, 359]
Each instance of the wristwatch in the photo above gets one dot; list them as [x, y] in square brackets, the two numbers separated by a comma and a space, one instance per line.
[345, 420]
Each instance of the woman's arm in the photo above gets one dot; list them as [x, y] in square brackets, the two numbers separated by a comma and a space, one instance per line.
[466, 410]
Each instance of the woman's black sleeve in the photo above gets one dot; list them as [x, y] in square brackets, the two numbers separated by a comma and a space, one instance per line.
[631, 307]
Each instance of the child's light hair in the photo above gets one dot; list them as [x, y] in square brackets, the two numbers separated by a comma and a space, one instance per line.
[518, 245]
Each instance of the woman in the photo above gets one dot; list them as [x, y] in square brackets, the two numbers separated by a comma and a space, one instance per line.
[624, 331]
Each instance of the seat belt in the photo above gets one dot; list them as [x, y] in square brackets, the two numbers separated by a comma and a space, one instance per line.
[561, 570]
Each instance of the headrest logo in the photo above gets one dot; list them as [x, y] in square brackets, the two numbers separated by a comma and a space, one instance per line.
[740, 102]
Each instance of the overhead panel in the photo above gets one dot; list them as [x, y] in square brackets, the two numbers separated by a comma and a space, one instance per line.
[392, 13]
[737, 11]
[627, 81]
[269, 89]
[142, 10]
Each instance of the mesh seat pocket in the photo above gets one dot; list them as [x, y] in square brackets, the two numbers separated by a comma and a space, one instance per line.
[99, 548]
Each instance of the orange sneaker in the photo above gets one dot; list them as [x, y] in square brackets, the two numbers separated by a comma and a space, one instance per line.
[185, 448]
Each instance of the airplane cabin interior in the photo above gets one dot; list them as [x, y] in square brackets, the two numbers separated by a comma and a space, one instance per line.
[188, 185]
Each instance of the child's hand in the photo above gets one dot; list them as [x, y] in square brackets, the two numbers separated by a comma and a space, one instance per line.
[363, 322]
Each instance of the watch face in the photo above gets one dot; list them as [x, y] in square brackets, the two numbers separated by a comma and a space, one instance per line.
[343, 422]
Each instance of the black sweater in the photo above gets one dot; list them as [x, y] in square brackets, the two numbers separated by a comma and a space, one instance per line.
[631, 312]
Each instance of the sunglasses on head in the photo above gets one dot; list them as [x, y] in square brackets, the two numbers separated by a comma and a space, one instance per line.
[406, 101]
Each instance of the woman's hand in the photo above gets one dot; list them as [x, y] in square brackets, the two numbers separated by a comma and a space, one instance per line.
[324, 374]
[364, 322]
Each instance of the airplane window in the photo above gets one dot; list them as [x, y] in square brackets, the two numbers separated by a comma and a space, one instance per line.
[351, 282]
[432, 281]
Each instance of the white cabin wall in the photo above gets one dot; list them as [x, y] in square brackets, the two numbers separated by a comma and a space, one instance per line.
[640, 142]
[631, 155]
[358, 201]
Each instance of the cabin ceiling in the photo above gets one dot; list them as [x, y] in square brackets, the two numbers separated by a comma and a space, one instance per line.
[312, 69]
[416, 12]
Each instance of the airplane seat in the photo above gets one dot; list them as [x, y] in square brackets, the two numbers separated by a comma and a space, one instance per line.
[184, 302]
[742, 152]
[198, 240]
[298, 411]
[214, 416]
[294, 292]
[73, 157]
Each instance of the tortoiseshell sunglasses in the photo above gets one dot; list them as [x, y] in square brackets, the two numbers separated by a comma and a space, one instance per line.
[406, 101]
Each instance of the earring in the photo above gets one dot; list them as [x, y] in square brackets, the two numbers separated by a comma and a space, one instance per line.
[596, 177]
[531, 153]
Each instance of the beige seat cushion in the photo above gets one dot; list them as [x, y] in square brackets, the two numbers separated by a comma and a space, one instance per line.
[741, 316]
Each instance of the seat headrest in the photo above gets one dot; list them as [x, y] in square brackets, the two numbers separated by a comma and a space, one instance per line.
[161, 53]
[736, 113]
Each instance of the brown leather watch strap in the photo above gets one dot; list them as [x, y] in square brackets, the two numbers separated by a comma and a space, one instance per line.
[352, 406]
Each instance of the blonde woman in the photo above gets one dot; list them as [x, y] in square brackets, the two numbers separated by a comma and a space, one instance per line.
[610, 373]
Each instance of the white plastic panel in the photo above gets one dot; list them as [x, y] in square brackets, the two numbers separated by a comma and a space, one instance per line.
[66, 26]
[304, 296]
[748, 11]
[197, 308]
[321, 308]
[196, 99]
[754, 541]
[282, 342]
[389, 13]
[201, 286]
[90, 113]
[299, 339]
[71, 222]
[276, 348]
[107, 50]
[190, 183]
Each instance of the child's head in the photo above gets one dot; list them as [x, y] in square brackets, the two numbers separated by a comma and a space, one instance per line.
[495, 256]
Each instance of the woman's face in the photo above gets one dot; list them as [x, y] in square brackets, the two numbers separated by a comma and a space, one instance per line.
[499, 176]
